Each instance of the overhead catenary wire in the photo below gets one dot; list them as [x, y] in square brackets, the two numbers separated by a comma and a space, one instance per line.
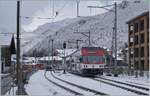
[30, 17]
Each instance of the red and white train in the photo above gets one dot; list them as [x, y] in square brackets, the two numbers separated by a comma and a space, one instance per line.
[89, 61]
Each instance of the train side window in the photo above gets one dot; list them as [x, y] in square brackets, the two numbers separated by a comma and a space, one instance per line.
[81, 59]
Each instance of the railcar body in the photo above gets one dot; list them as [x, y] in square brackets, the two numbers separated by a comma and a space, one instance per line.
[89, 61]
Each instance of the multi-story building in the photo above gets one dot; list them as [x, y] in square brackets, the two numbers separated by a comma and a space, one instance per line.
[139, 42]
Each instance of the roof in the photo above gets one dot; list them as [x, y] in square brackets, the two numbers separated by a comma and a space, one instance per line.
[50, 58]
[143, 14]
[5, 39]
[67, 52]
[118, 58]
[92, 48]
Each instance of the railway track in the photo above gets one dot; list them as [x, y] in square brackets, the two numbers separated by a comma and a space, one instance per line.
[67, 89]
[78, 86]
[116, 84]
[132, 85]
[123, 87]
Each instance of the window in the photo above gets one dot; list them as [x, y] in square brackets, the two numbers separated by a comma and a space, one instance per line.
[148, 51]
[142, 64]
[136, 65]
[136, 26]
[141, 25]
[148, 64]
[148, 22]
[142, 52]
[132, 51]
[130, 29]
[136, 51]
[131, 39]
[147, 37]
[136, 39]
[131, 55]
[93, 59]
[142, 38]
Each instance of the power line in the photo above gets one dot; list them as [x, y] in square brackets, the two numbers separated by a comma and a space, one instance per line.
[30, 17]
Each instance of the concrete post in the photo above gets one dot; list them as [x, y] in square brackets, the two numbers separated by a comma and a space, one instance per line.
[0, 61]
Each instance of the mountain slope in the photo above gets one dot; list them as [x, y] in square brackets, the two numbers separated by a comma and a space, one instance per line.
[100, 27]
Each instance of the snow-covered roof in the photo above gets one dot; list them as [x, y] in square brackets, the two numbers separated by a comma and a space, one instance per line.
[108, 49]
[5, 39]
[67, 52]
[118, 58]
[50, 58]
[126, 49]
[142, 14]
[119, 52]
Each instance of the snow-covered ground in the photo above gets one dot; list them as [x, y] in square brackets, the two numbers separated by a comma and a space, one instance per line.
[141, 81]
[39, 86]
[92, 84]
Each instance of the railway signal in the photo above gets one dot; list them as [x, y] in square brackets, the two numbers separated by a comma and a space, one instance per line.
[64, 58]
[64, 45]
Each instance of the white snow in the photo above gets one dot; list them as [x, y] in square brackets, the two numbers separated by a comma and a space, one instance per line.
[140, 81]
[39, 86]
[144, 91]
[67, 52]
[5, 39]
[50, 58]
[100, 27]
[12, 92]
[68, 85]
[99, 86]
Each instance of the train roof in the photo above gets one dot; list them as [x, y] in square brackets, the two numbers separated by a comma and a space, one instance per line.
[92, 48]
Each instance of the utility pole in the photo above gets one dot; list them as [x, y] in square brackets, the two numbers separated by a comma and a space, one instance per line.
[115, 26]
[89, 38]
[52, 51]
[0, 60]
[48, 65]
[115, 29]
[19, 71]
[112, 48]
[78, 1]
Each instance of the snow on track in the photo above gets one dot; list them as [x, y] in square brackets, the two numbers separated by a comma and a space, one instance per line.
[68, 85]
[99, 86]
[143, 82]
[126, 87]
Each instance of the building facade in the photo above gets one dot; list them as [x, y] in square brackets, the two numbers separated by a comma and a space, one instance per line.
[138, 40]
[7, 44]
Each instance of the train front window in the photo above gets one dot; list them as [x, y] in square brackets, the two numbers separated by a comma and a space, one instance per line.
[93, 59]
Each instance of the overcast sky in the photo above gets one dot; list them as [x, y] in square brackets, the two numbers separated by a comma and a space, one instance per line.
[44, 9]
